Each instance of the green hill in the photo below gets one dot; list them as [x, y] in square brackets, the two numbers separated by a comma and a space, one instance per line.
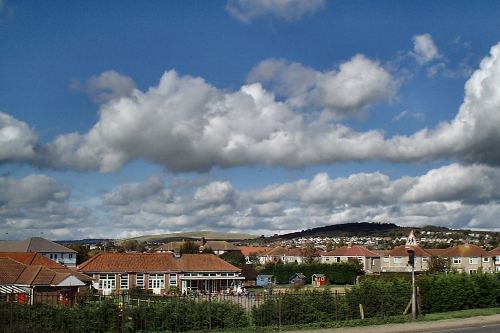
[209, 235]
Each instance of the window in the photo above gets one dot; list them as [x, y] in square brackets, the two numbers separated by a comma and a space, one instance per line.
[486, 259]
[51, 256]
[396, 260]
[70, 255]
[139, 280]
[55, 255]
[473, 260]
[107, 281]
[457, 260]
[337, 259]
[386, 260]
[472, 271]
[156, 281]
[124, 281]
[497, 260]
[172, 279]
[425, 259]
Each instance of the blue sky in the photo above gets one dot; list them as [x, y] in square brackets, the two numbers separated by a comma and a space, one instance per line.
[125, 118]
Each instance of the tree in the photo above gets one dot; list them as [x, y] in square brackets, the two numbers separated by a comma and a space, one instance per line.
[82, 252]
[310, 253]
[234, 258]
[329, 246]
[189, 247]
[130, 245]
[439, 264]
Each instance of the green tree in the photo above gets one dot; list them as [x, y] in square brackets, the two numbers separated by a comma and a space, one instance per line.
[439, 264]
[234, 258]
[82, 252]
[189, 247]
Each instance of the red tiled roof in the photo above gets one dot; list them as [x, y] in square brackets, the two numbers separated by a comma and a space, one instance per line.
[154, 262]
[495, 252]
[36, 259]
[249, 250]
[276, 251]
[14, 272]
[352, 251]
[204, 262]
[129, 262]
[436, 252]
[32, 258]
[466, 250]
[401, 251]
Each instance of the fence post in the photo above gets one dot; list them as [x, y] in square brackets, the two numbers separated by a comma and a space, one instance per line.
[209, 312]
[279, 312]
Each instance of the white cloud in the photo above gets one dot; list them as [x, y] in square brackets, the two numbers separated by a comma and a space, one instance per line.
[186, 124]
[424, 49]
[246, 10]
[357, 84]
[35, 204]
[454, 196]
[404, 114]
[17, 140]
[106, 86]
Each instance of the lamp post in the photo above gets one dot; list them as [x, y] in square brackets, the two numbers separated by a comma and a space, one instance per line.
[411, 262]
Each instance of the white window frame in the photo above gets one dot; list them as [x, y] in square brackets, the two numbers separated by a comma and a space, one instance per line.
[425, 259]
[108, 279]
[172, 279]
[397, 260]
[139, 280]
[486, 259]
[156, 281]
[473, 261]
[387, 260]
[457, 261]
[124, 280]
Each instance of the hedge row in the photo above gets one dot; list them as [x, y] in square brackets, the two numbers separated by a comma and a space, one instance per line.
[451, 292]
[174, 315]
[338, 273]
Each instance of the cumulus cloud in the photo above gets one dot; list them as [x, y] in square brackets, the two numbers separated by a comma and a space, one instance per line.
[454, 195]
[17, 140]
[37, 203]
[187, 124]
[106, 86]
[424, 49]
[246, 10]
[357, 84]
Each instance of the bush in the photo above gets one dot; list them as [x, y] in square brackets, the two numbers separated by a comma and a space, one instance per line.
[338, 273]
[451, 292]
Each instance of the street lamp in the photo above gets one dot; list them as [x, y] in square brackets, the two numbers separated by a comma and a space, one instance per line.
[411, 262]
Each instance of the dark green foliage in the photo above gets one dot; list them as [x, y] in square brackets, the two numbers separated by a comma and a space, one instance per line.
[234, 258]
[450, 292]
[189, 247]
[174, 315]
[339, 273]
[380, 298]
[308, 307]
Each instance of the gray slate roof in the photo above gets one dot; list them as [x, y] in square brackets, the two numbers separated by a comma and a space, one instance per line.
[33, 244]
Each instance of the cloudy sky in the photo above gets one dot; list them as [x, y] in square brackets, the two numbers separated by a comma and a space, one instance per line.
[258, 116]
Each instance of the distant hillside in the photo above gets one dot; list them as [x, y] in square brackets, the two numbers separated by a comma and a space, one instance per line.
[348, 229]
[209, 235]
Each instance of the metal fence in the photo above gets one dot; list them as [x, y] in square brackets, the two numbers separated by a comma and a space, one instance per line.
[126, 313]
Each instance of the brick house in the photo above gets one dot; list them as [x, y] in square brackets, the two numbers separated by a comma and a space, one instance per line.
[369, 260]
[161, 272]
[396, 260]
[469, 258]
[496, 258]
[45, 247]
[33, 284]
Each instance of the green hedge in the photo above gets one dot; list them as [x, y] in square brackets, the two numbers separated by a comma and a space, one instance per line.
[174, 315]
[450, 292]
[338, 273]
